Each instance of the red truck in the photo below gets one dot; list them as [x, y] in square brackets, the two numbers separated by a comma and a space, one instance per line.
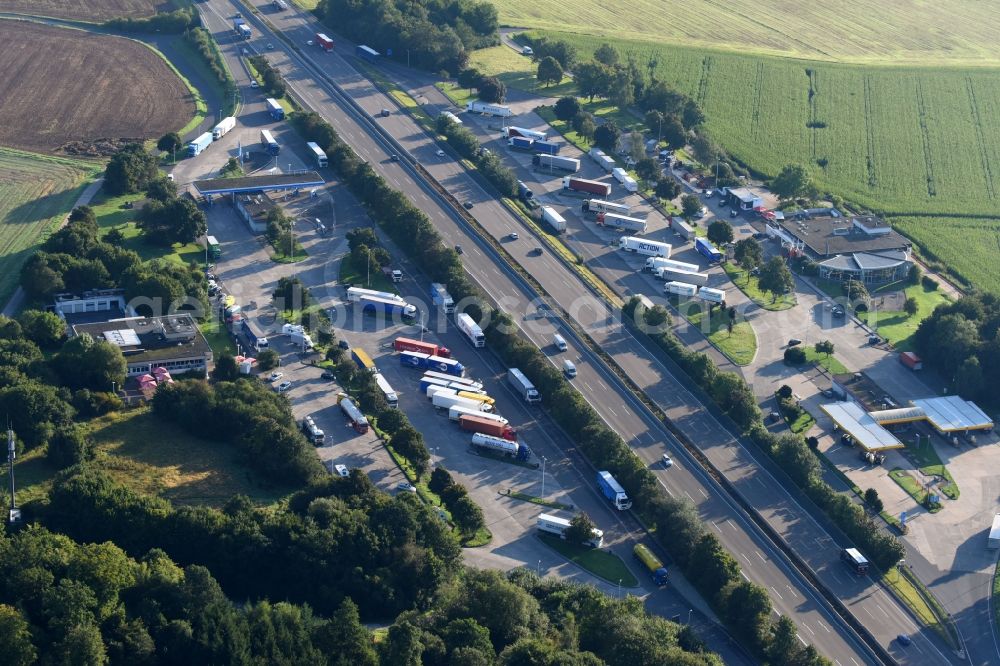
[584, 185]
[324, 42]
[486, 427]
[911, 360]
[409, 344]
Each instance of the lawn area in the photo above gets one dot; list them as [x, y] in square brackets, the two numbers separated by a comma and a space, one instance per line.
[217, 336]
[802, 423]
[112, 215]
[459, 96]
[830, 363]
[359, 277]
[598, 562]
[905, 481]
[895, 325]
[525, 497]
[602, 109]
[155, 457]
[516, 71]
[739, 347]
[929, 462]
[36, 191]
[748, 285]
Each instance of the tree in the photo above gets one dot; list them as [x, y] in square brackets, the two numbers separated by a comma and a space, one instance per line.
[592, 79]
[550, 72]
[584, 125]
[690, 206]
[969, 381]
[606, 136]
[130, 170]
[492, 90]
[648, 169]
[776, 278]
[467, 514]
[673, 132]
[606, 55]
[667, 189]
[873, 500]
[45, 329]
[857, 291]
[177, 220]
[226, 369]
[793, 181]
[785, 648]
[748, 253]
[720, 232]
[580, 530]
[345, 639]
[636, 146]
[469, 78]
[440, 479]
[692, 116]
[784, 392]
[794, 356]
[911, 306]
[169, 142]
[704, 149]
[567, 107]
[15, 636]
[84, 362]
[69, 445]
[268, 360]
[824, 347]
[402, 646]
[162, 189]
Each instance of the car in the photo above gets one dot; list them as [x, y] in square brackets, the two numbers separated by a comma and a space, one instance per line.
[407, 486]
[254, 84]
[239, 15]
[760, 235]
[270, 46]
[328, 375]
[538, 250]
[828, 393]
[394, 157]
[838, 311]
[211, 276]
[703, 211]
[468, 205]
[458, 249]
[439, 153]
[170, 177]
[794, 341]
[733, 212]
[342, 470]
[513, 235]
[874, 339]
[385, 113]
[343, 344]
[284, 386]
[667, 462]
[275, 376]
[309, 43]
[708, 192]
[904, 640]
[774, 417]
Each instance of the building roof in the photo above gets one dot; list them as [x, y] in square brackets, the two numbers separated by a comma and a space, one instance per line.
[860, 425]
[150, 339]
[277, 181]
[744, 194]
[868, 261]
[951, 413]
[829, 233]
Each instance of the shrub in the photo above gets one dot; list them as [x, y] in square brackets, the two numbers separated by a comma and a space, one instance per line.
[929, 283]
[795, 356]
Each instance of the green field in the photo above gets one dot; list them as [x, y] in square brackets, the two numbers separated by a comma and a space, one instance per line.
[35, 192]
[740, 346]
[112, 215]
[967, 246]
[895, 325]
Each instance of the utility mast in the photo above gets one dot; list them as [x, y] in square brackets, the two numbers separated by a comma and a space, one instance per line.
[14, 516]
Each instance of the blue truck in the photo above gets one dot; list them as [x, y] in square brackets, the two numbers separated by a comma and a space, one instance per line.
[254, 334]
[367, 53]
[707, 250]
[200, 144]
[275, 109]
[547, 147]
[428, 362]
[520, 143]
[379, 305]
[612, 490]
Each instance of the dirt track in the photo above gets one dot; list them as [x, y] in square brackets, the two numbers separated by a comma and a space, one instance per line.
[97, 11]
[62, 86]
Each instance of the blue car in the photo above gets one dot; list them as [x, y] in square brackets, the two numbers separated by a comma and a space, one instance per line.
[904, 640]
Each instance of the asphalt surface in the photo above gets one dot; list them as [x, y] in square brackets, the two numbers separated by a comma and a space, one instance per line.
[789, 593]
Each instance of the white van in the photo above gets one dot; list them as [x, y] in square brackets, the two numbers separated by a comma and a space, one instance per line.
[569, 369]
[560, 342]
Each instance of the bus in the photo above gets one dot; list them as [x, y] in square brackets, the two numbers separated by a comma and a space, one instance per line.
[268, 143]
[318, 153]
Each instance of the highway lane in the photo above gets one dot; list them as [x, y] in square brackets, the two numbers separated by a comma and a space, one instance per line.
[791, 596]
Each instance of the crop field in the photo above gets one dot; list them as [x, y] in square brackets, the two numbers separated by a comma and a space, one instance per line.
[35, 193]
[63, 86]
[954, 31]
[968, 246]
[87, 10]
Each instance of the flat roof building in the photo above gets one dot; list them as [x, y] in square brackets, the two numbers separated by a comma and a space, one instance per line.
[173, 342]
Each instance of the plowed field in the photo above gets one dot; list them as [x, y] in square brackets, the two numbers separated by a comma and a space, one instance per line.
[97, 11]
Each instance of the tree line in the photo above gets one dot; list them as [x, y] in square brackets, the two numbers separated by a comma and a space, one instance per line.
[489, 164]
[174, 22]
[202, 42]
[272, 83]
[435, 35]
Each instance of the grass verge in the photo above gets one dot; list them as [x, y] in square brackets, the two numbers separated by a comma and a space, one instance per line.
[459, 96]
[740, 346]
[829, 362]
[748, 285]
[912, 487]
[349, 274]
[928, 462]
[926, 606]
[402, 97]
[602, 564]
[525, 497]
[894, 324]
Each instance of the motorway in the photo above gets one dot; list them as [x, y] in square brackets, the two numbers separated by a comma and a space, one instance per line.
[762, 562]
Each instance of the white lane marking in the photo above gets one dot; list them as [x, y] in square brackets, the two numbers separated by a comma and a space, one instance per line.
[883, 611]
[747, 559]
[808, 628]
[869, 612]
[702, 491]
[772, 587]
[760, 556]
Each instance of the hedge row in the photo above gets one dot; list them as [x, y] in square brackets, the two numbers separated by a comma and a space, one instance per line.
[205, 45]
[173, 23]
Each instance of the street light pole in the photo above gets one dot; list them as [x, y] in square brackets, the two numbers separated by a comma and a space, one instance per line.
[619, 588]
[543, 475]
[690, 610]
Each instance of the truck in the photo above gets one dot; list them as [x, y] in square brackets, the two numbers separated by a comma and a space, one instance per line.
[298, 335]
[476, 395]
[452, 117]
[547, 147]
[363, 360]
[658, 262]
[512, 131]
[489, 109]
[682, 228]
[456, 412]
[355, 294]
[621, 175]
[570, 164]
[442, 400]
[324, 42]
[222, 129]
[367, 53]
[470, 328]
[614, 220]
[993, 539]
[710, 295]
[312, 431]
[555, 220]
[353, 414]
[280, 5]
[244, 31]
[707, 250]
[682, 289]
[646, 247]
[389, 306]
[523, 191]
[596, 153]
[613, 491]
[558, 526]
[452, 379]
[434, 389]
[274, 108]
[198, 145]
[521, 143]
[237, 22]
[501, 445]
[601, 206]
[589, 186]
[428, 383]
[268, 143]
[409, 344]
[213, 247]
[911, 360]
[651, 563]
[672, 274]
[254, 334]
[383, 385]
[317, 153]
[476, 423]
[429, 362]
[524, 387]
[441, 298]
